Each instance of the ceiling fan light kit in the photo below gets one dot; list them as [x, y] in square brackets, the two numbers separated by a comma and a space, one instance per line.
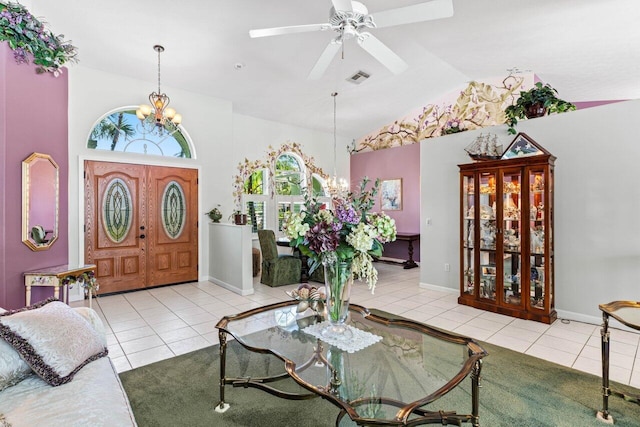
[349, 18]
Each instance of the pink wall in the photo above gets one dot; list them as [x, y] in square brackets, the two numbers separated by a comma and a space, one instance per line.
[398, 162]
[33, 118]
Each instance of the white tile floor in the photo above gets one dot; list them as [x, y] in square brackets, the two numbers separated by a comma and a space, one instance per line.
[151, 325]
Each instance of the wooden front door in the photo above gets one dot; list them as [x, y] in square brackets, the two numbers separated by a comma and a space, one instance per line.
[141, 225]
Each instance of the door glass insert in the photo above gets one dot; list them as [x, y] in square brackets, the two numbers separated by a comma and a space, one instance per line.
[511, 234]
[537, 237]
[468, 230]
[117, 210]
[173, 210]
[488, 232]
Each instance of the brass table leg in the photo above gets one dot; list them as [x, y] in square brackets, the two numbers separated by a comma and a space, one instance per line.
[222, 335]
[606, 391]
[475, 393]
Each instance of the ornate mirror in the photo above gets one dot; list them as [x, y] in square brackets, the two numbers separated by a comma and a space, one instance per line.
[40, 200]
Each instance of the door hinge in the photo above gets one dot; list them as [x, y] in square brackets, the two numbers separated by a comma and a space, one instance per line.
[84, 174]
[84, 228]
[197, 224]
[197, 181]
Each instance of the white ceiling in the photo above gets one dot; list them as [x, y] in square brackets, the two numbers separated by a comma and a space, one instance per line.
[588, 49]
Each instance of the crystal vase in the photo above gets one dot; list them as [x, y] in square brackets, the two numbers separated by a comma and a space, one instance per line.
[338, 279]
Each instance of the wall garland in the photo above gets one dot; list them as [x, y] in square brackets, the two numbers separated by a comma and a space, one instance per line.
[478, 105]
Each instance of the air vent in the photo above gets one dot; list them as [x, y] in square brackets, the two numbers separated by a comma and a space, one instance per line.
[358, 77]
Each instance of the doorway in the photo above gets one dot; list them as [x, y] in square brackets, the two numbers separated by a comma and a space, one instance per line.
[141, 224]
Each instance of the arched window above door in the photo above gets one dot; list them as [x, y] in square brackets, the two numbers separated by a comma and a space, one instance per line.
[120, 130]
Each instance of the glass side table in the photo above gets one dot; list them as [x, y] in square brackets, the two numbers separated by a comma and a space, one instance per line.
[627, 313]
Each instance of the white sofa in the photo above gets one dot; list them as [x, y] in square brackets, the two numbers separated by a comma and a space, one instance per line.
[94, 397]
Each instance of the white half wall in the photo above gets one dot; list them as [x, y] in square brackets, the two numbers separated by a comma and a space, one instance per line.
[597, 205]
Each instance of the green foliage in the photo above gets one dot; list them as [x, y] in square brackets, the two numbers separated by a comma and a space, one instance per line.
[26, 35]
[543, 95]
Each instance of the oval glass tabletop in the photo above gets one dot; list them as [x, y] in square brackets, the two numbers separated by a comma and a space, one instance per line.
[393, 379]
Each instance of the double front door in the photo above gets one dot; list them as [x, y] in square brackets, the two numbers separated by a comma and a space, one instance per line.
[141, 225]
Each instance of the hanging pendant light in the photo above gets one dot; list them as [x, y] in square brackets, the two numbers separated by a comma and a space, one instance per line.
[338, 187]
[157, 114]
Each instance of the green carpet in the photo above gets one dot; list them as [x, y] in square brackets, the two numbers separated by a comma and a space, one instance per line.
[517, 390]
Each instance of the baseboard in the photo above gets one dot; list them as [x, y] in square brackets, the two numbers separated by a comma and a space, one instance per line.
[437, 288]
[232, 288]
[593, 320]
[562, 314]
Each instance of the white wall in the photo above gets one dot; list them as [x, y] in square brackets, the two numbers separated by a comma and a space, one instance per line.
[597, 205]
[221, 141]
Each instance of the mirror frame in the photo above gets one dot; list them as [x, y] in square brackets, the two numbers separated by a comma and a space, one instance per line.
[26, 193]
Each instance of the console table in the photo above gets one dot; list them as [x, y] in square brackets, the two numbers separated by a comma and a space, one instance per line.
[396, 381]
[57, 277]
[627, 313]
[410, 238]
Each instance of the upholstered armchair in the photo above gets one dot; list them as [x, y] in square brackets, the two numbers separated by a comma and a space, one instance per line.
[277, 270]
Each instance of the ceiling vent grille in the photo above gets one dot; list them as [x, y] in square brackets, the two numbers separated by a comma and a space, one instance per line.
[358, 77]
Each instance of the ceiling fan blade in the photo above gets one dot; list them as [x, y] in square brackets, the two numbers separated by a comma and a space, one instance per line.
[382, 53]
[435, 9]
[277, 31]
[325, 59]
[342, 5]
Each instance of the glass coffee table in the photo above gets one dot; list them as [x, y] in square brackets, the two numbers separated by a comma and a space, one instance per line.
[403, 378]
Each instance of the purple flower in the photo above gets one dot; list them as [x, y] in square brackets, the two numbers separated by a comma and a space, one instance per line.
[346, 213]
[322, 238]
[20, 55]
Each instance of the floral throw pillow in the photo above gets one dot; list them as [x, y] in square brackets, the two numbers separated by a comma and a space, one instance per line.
[12, 368]
[54, 340]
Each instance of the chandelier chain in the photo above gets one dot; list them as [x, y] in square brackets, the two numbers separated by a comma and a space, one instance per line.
[335, 144]
[159, 49]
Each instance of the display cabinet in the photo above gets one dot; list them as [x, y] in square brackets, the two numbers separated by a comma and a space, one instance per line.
[506, 230]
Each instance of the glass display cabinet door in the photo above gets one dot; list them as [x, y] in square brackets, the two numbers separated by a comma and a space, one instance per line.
[511, 237]
[468, 234]
[488, 233]
[537, 233]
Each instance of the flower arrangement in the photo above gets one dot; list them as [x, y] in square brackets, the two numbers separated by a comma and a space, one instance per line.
[28, 35]
[347, 232]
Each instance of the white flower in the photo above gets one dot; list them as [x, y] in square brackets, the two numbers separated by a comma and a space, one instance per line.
[293, 225]
[361, 238]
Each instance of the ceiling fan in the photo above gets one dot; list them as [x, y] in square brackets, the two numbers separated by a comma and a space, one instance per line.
[349, 18]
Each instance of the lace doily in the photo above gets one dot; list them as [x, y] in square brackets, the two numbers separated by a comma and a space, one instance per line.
[360, 340]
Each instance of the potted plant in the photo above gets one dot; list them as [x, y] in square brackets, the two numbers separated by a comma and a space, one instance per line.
[239, 218]
[538, 101]
[215, 214]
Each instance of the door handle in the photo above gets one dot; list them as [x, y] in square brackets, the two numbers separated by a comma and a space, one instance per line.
[142, 236]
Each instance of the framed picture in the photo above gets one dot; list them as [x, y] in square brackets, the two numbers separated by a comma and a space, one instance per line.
[391, 195]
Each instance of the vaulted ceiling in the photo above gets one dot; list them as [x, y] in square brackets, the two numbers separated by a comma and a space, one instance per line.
[587, 49]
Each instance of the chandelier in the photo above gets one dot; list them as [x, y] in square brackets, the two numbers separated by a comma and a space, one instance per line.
[157, 114]
[338, 187]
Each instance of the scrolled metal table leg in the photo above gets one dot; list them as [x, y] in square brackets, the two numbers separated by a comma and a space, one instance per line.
[475, 393]
[222, 406]
[606, 391]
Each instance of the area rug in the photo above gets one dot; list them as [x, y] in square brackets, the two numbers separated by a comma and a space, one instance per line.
[517, 390]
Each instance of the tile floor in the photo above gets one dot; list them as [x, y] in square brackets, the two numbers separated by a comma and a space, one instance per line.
[151, 325]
